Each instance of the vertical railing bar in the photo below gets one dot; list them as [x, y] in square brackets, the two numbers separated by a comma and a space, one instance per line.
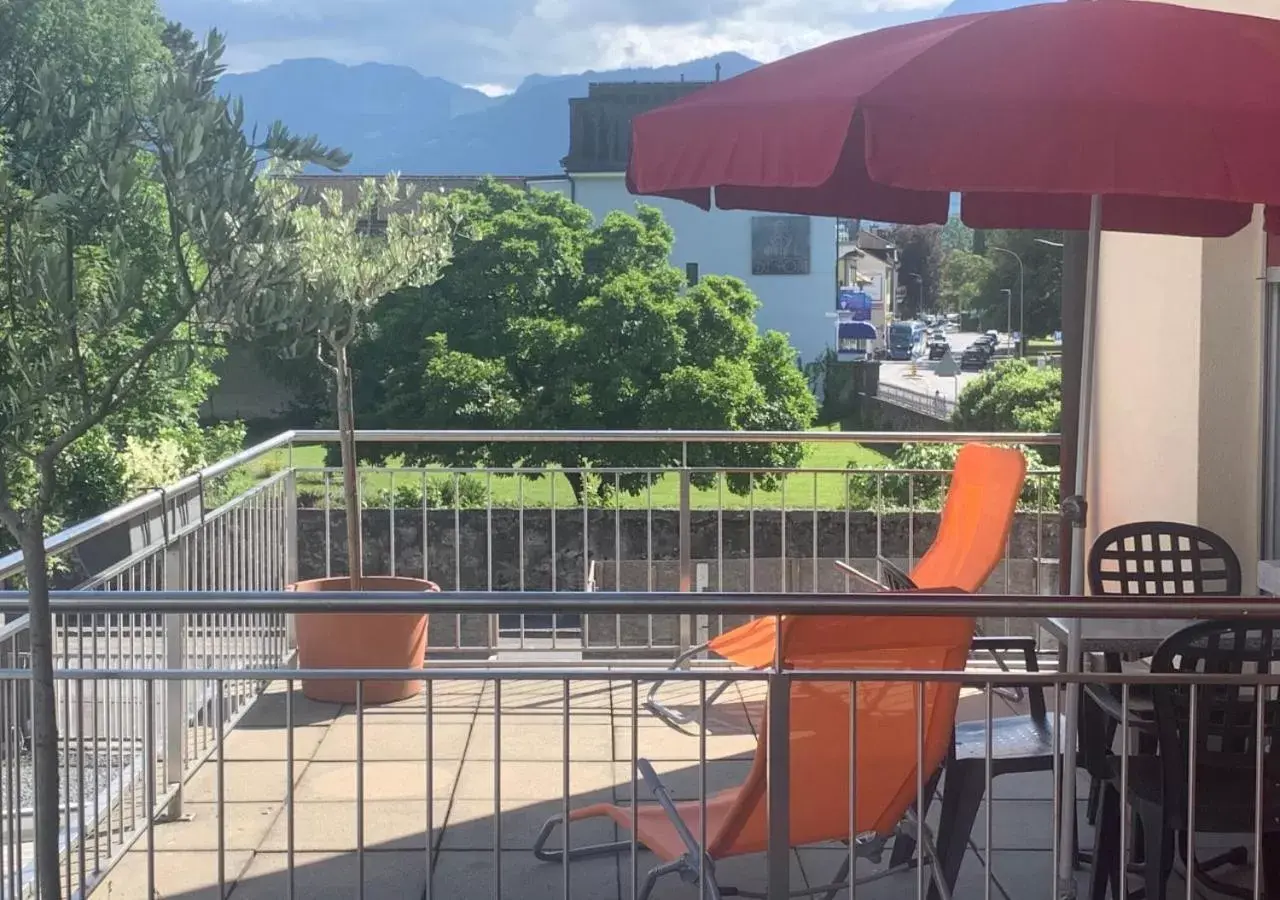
[497, 788]
[911, 520]
[221, 787]
[1124, 785]
[815, 532]
[702, 789]
[782, 530]
[853, 789]
[920, 859]
[289, 808]
[1055, 846]
[565, 788]
[721, 477]
[555, 619]
[1192, 754]
[429, 689]
[457, 553]
[149, 765]
[848, 512]
[328, 526]
[360, 788]
[617, 552]
[987, 793]
[635, 797]
[391, 504]
[1259, 743]
[751, 532]
[488, 555]
[648, 553]
[778, 776]
[426, 518]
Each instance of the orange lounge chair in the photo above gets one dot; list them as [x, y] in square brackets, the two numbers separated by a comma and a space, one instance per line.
[973, 533]
[887, 775]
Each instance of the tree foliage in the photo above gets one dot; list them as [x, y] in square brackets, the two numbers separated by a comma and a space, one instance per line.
[964, 278]
[544, 321]
[1043, 282]
[135, 234]
[345, 268]
[1014, 395]
[920, 252]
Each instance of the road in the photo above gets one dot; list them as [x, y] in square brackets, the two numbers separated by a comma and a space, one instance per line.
[925, 381]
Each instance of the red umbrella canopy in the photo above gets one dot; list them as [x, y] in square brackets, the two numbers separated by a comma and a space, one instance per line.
[1172, 114]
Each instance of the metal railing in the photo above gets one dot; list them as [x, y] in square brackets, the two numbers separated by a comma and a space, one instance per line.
[936, 405]
[495, 789]
[686, 530]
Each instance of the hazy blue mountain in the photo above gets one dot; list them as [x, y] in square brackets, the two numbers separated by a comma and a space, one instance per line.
[392, 117]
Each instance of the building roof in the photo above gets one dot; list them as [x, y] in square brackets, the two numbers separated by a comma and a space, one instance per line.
[600, 123]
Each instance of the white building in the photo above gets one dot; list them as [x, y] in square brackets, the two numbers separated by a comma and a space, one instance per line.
[789, 262]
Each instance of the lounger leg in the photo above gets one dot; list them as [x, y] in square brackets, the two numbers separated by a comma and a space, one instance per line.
[541, 852]
[665, 713]
[651, 878]
[904, 846]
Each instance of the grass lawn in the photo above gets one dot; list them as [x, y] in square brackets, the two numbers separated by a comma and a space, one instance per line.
[801, 490]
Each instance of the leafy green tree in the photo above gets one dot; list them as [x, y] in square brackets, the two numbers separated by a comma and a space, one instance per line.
[1043, 282]
[1014, 395]
[964, 277]
[544, 321]
[346, 268]
[919, 253]
[94, 330]
[956, 236]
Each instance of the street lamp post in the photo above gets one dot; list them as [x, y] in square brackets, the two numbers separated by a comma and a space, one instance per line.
[1008, 294]
[1022, 298]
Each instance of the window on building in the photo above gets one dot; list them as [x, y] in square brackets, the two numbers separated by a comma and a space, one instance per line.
[691, 274]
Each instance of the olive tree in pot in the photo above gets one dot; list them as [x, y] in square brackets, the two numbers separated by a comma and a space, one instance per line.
[353, 251]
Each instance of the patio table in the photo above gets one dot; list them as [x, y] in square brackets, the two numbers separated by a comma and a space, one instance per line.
[1118, 636]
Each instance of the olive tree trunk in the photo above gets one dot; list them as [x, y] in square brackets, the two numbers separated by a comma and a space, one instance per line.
[43, 709]
[350, 478]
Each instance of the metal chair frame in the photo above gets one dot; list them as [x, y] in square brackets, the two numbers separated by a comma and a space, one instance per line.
[694, 864]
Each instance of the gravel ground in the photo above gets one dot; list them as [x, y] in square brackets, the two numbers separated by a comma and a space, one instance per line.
[106, 765]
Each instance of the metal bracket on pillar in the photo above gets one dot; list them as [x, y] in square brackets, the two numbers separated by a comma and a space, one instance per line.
[1075, 510]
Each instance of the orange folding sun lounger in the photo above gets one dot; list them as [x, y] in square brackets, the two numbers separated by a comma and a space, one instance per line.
[973, 532]
[887, 773]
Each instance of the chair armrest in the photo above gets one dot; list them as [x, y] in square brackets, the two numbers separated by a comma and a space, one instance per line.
[1110, 704]
[1026, 645]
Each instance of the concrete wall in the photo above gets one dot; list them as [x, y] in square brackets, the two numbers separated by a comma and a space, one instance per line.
[719, 242]
[1179, 370]
[508, 550]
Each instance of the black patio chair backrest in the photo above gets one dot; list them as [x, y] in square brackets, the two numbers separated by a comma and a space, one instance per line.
[1168, 559]
[1225, 722]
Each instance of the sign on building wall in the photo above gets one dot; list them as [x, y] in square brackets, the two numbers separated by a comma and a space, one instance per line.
[854, 302]
[780, 245]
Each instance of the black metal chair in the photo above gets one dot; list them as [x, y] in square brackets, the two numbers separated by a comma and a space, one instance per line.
[1152, 560]
[1221, 725]
[1018, 744]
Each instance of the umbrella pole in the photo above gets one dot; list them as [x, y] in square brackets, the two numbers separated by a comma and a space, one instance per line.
[1073, 513]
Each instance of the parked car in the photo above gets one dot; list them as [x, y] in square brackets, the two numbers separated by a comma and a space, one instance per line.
[974, 358]
[938, 348]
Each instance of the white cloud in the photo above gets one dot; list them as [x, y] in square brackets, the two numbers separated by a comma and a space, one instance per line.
[495, 43]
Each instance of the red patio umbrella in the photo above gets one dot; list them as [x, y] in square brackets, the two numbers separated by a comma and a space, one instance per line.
[1115, 114]
[1171, 113]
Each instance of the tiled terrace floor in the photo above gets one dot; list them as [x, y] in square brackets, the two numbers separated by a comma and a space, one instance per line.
[463, 824]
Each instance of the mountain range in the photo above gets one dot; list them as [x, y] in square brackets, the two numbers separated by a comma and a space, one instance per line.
[393, 118]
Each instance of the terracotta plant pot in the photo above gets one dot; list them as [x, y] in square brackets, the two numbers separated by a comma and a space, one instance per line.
[362, 641]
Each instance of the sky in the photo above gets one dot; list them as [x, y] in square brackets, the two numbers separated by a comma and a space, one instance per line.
[494, 44]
